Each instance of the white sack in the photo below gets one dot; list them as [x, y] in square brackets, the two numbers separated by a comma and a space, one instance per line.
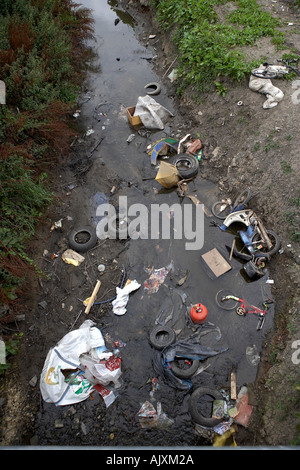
[64, 356]
[264, 85]
[152, 114]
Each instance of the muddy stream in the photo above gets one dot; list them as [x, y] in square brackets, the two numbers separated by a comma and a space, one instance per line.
[122, 69]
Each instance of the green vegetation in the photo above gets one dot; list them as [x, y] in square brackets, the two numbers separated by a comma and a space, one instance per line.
[42, 54]
[208, 47]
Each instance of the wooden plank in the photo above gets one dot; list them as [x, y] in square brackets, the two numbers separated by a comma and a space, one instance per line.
[216, 262]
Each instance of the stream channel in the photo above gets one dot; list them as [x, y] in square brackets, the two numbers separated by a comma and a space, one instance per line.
[116, 83]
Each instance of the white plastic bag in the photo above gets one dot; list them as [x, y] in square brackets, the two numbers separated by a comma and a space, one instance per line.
[57, 384]
[152, 114]
[119, 304]
[264, 85]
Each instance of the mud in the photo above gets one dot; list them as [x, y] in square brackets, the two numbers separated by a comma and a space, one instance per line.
[244, 146]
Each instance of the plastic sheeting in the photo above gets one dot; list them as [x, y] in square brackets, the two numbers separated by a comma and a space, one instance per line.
[264, 85]
[152, 114]
[189, 348]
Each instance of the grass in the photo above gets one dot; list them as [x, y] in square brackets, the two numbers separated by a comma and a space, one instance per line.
[208, 47]
[42, 58]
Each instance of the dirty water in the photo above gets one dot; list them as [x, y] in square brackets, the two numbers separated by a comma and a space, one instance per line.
[119, 78]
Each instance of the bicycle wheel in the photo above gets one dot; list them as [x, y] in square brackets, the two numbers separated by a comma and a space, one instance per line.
[263, 73]
[243, 198]
[275, 240]
[221, 209]
[225, 304]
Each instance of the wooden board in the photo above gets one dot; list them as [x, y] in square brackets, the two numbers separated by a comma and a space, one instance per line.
[216, 262]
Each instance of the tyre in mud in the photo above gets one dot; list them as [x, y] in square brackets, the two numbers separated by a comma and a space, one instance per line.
[197, 415]
[161, 337]
[187, 165]
[182, 369]
[82, 239]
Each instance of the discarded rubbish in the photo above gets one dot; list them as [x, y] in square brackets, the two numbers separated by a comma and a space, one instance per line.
[151, 418]
[101, 268]
[79, 361]
[216, 263]
[198, 313]
[154, 87]
[252, 355]
[119, 304]
[156, 278]
[187, 165]
[152, 114]
[161, 337]
[89, 132]
[2, 351]
[130, 138]
[226, 439]
[244, 309]
[264, 86]
[134, 118]
[72, 257]
[183, 279]
[91, 300]
[189, 348]
[167, 175]
[83, 238]
[56, 225]
[197, 396]
[173, 75]
[161, 147]
[259, 241]
[243, 408]
[184, 368]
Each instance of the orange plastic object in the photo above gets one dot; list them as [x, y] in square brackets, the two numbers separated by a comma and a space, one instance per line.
[198, 313]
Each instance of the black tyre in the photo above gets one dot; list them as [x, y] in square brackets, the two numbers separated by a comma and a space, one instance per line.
[221, 209]
[197, 416]
[262, 73]
[243, 198]
[187, 165]
[161, 337]
[82, 239]
[275, 243]
[182, 370]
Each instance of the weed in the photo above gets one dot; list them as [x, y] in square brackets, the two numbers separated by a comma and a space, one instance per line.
[207, 47]
[221, 89]
[286, 167]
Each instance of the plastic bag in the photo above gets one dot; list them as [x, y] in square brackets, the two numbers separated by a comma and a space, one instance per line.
[264, 85]
[152, 114]
[189, 348]
[122, 298]
[64, 380]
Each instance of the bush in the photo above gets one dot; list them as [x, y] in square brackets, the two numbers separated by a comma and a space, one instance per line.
[42, 56]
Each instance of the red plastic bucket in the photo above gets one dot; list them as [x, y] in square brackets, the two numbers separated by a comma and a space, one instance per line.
[198, 313]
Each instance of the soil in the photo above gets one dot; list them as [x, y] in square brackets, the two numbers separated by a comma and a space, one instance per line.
[244, 146]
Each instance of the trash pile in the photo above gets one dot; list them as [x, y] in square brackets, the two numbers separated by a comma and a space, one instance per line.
[80, 364]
